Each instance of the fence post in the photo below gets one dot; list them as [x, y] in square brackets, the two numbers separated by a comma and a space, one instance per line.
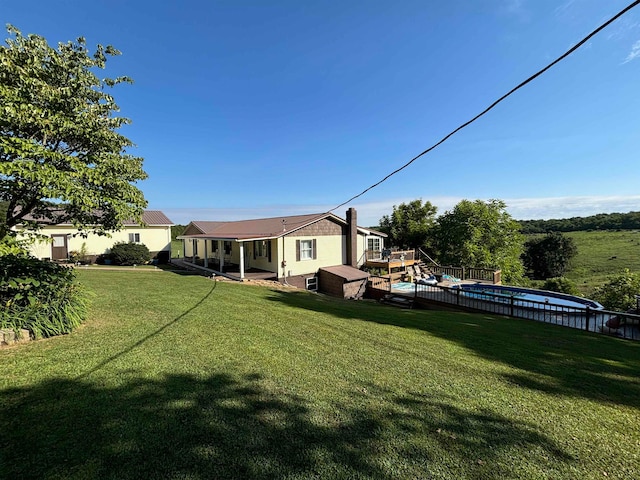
[587, 314]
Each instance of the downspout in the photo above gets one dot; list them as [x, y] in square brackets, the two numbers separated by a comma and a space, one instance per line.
[284, 262]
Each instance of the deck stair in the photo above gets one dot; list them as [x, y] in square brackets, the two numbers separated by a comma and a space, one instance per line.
[399, 301]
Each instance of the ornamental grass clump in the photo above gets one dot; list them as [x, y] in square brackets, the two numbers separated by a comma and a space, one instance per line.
[40, 296]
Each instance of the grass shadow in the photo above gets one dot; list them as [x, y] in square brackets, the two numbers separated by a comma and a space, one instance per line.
[553, 359]
[183, 426]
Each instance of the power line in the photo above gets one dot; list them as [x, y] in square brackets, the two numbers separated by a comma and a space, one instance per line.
[490, 107]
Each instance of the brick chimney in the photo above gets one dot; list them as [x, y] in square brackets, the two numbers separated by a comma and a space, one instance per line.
[352, 237]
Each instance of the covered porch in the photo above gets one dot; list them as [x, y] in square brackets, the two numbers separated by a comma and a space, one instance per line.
[231, 258]
[230, 271]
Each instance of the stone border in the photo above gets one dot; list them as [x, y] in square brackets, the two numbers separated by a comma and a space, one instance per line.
[8, 337]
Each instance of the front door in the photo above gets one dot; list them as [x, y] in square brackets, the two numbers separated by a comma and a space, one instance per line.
[59, 247]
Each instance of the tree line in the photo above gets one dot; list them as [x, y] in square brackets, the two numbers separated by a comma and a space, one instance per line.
[601, 221]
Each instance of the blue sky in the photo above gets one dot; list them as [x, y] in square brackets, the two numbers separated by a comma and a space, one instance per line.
[246, 109]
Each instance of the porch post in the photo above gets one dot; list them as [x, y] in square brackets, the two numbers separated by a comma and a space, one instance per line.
[193, 251]
[206, 254]
[221, 254]
[241, 260]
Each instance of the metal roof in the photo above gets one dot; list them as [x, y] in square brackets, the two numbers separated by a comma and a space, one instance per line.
[260, 228]
[149, 217]
[349, 273]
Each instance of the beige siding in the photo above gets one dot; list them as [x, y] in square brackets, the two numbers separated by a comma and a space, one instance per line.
[155, 238]
[329, 251]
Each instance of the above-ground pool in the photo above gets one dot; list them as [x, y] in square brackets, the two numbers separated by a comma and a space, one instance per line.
[504, 293]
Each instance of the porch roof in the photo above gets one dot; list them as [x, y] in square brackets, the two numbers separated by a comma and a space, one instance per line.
[261, 228]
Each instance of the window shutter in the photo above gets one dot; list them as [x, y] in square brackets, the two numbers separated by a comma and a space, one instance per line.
[313, 250]
[269, 250]
[255, 247]
[297, 250]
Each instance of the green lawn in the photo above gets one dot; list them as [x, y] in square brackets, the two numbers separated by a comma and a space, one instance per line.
[176, 249]
[601, 254]
[181, 377]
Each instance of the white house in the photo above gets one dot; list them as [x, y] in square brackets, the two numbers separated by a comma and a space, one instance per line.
[291, 249]
[63, 238]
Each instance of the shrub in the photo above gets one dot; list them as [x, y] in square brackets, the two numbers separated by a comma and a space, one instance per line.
[39, 296]
[561, 285]
[12, 246]
[619, 293]
[130, 254]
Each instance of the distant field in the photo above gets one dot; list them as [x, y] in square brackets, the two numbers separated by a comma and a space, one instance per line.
[603, 253]
[176, 248]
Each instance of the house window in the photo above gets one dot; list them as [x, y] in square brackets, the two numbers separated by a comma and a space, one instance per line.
[134, 238]
[227, 247]
[306, 250]
[195, 247]
[260, 248]
[58, 241]
[214, 246]
[373, 244]
[311, 283]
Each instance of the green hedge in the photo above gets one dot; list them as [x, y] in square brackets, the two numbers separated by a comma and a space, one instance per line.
[130, 254]
[40, 296]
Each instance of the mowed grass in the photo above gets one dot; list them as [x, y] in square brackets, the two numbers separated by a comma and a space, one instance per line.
[176, 249]
[181, 377]
[602, 254]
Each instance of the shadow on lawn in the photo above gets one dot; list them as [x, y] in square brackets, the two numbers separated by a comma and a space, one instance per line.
[555, 359]
[183, 426]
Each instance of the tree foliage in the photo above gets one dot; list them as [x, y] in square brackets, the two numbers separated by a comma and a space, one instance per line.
[61, 157]
[548, 256]
[480, 234]
[619, 293]
[601, 221]
[409, 224]
[561, 285]
[177, 230]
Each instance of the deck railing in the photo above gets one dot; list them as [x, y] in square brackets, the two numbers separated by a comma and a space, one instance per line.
[622, 324]
[390, 255]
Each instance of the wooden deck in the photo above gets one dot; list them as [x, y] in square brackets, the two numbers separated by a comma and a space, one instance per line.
[392, 266]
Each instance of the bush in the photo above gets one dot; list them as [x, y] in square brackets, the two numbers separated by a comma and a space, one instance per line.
[561, 285]
[130, 254]
[12, 246]
[39, 296]
[619, 293]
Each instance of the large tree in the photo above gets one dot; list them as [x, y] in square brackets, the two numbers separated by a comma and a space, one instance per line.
[480, 234]
[409, 224]
[61, 156]
[548, 256]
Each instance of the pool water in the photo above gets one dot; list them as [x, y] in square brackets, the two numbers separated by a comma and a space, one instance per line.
[404, 286]
[504, 293]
